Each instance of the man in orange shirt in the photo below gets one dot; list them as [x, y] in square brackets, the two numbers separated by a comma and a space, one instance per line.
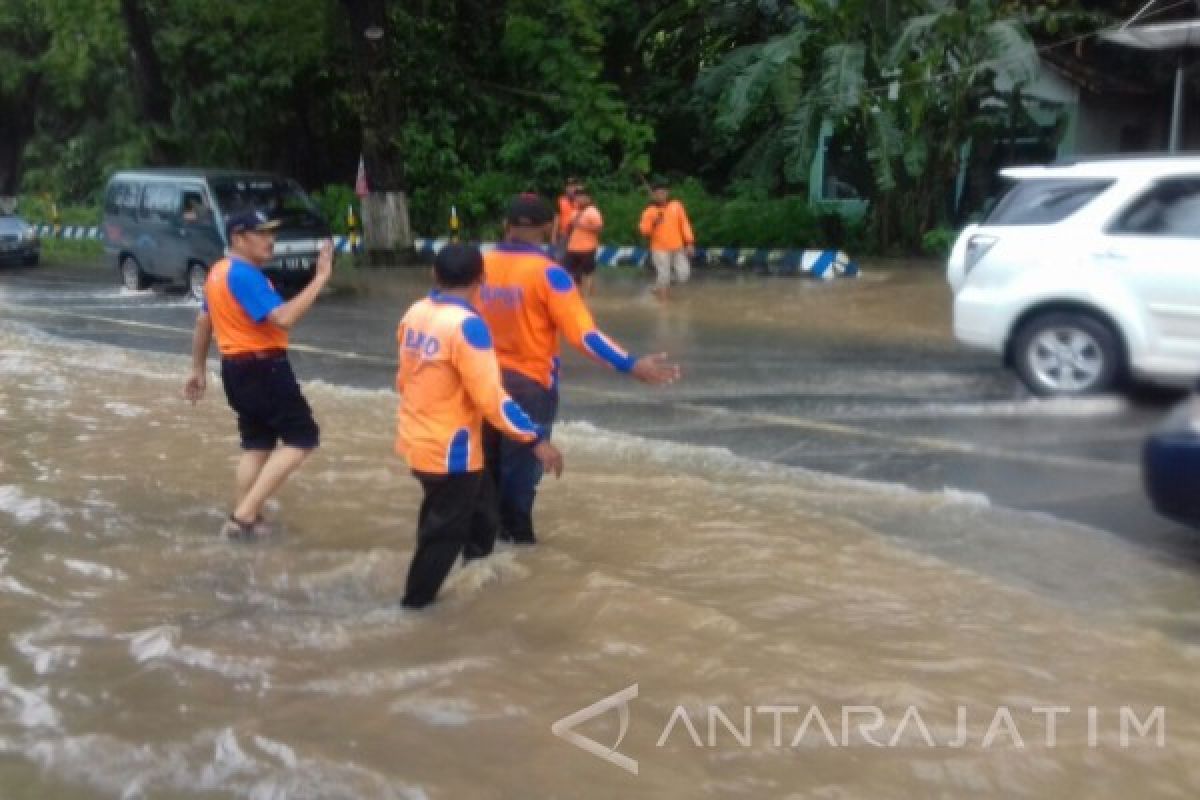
[528, 301]
[665, 223]
[251, 322]
[566, 211]
[450, 382]
[583, 241]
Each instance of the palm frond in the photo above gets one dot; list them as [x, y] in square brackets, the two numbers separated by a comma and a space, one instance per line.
[800, 135]
[1012, 52]
[759, 69]
[842, 80]
[884, 144]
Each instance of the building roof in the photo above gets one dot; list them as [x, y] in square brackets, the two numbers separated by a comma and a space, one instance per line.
[1094, 75]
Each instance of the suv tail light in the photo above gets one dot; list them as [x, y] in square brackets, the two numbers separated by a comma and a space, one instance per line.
[977, 247]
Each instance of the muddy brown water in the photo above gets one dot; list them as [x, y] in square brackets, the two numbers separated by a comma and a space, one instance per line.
[143, 657]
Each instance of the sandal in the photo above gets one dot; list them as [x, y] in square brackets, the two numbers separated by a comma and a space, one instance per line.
[239, 531]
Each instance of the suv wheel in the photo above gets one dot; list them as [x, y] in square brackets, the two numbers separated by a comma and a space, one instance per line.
[132, 277]
[196, 275]
[1067, 353]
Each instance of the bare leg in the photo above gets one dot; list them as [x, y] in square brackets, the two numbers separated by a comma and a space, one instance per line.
[281, 463]
[589, 284]
[248, 469]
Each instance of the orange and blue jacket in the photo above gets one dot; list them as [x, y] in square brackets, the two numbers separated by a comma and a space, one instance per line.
[527, 301]
[239, 298]
[667, 227]
[449, 381]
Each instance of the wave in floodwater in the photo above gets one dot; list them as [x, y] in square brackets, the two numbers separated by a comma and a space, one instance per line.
[146, 658]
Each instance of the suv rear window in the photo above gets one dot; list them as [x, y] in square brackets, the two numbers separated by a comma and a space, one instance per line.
[1045, 201]
[1169, 208]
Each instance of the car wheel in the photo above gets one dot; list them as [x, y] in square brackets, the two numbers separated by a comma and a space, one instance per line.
[196, 276]
[32, 261]
[1067, 353]
[132, 277]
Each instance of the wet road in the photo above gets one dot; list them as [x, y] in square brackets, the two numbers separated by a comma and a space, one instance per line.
[860, 379]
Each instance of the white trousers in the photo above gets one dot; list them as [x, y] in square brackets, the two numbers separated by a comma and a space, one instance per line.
[671, 265]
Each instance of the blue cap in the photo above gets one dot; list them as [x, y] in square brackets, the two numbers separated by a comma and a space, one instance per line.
[244, 221]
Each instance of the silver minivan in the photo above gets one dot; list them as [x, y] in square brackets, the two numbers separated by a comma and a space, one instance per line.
[168, 225]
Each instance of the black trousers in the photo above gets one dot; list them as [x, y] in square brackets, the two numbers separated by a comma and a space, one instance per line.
[457, 517]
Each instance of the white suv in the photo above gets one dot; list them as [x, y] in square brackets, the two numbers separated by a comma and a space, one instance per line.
[1085, 274]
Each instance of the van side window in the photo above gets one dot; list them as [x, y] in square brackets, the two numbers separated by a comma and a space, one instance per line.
[160, 202]
[1170, 208]
[195, 209]
[122, 199]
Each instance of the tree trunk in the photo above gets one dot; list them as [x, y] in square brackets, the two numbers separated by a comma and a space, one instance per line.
[153, 98]
[386, 225]
[16, 129]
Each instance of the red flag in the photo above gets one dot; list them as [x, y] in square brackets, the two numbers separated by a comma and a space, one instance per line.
[360, 183]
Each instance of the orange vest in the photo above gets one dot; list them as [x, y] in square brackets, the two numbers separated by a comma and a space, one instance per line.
[667, 226]
[585, 238]
[528, 300]
[449, 381]
[235, 330]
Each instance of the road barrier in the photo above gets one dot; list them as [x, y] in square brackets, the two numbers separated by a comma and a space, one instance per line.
[822, 264]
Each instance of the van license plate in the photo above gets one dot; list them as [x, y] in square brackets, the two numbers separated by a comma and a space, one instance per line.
[295, 262]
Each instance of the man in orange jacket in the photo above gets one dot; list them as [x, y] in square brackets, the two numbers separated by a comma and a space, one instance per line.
[528, 301]
[450, 382]
[665, 223]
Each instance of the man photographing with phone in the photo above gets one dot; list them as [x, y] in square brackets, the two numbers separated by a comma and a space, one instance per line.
[665, 223]
[251, 323]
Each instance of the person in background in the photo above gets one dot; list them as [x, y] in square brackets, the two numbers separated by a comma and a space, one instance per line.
[528, 301]
[665, 223]
[583, 241]
[449, 383]
[566, 212]
[251, 322]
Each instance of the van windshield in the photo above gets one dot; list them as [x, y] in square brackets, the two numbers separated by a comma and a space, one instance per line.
[278, 199]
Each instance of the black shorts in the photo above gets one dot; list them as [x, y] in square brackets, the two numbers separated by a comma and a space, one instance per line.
[268, 403]
[580, 264]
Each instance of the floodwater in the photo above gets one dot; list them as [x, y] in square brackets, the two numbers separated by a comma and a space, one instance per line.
[143, 657]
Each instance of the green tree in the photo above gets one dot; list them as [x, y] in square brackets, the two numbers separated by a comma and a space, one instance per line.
[906, 84]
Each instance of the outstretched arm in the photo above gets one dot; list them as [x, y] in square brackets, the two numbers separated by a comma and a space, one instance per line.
[573, 319]
[476, 363]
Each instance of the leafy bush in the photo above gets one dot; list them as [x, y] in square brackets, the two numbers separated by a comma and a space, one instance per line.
[938, 242]
[333, 201]
[39, 209]
[749, 217]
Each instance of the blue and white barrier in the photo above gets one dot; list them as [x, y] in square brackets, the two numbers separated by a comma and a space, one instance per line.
[340, 243]
[823, 264]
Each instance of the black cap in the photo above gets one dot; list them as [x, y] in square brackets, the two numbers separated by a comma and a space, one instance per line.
[660, 183]
[457, 265]
[528, 210]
